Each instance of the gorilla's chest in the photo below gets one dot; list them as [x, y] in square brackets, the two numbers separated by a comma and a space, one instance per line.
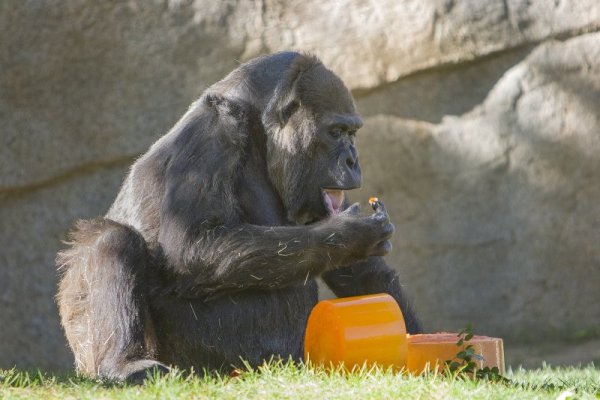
[253, 326]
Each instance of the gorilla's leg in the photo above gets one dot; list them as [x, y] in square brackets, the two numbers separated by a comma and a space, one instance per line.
[372, 276]
[102, 301]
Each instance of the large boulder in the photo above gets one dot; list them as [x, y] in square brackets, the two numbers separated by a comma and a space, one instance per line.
[32, 225]
[90, 83]
[373, 43]
[497, 211]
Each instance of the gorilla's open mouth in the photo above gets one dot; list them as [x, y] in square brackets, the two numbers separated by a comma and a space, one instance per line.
[334, 200]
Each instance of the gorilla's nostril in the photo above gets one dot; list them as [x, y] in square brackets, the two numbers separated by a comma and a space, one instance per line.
[350, 162]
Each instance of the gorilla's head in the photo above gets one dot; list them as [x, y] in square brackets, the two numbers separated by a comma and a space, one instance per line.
[310, 122]
[311, 125]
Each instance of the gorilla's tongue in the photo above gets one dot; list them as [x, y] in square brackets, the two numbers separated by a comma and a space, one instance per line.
[334, 200]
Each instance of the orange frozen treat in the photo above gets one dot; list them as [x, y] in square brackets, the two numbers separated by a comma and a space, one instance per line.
[430, 351]
[356, 330]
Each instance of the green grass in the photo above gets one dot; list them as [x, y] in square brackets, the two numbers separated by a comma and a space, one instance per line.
[286, 381]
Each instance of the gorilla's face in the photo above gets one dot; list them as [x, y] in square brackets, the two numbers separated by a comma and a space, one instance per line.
[313, 158]
[338, 157]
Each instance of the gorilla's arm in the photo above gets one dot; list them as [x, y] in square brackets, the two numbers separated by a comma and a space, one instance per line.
[227, 259]
[371, 276]
[244, 256]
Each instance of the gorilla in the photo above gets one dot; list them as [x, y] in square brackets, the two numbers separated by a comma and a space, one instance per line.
[209, 254]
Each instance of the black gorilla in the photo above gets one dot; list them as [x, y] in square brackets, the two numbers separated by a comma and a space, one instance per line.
[209, 253]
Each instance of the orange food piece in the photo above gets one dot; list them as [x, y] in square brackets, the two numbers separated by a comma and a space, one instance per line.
[430, 351]
[357, 330]
[360, 330]
[373, 200]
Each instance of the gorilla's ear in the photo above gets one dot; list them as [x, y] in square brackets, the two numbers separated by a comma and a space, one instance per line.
[284, 113]
[286, 99]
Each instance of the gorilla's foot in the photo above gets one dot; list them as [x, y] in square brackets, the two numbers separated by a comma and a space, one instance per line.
[136, 372]
[140, 370]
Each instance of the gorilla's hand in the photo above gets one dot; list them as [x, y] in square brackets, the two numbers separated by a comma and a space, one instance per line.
[350, 237]
[369, 236]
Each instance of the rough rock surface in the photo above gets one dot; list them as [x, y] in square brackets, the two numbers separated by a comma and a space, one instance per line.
[66, 69]
[497, 211]
[33, 223]
[500, 203]
[373, 43]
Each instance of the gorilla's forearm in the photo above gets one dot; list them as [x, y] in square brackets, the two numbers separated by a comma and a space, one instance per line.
[246, 257]
[371, 276]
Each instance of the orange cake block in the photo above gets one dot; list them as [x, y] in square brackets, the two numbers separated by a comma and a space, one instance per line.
[430, 351]
[354, 331]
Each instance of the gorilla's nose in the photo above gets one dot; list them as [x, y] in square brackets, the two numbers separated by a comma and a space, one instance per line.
[352, 176]
[351, 156]
[351, 160]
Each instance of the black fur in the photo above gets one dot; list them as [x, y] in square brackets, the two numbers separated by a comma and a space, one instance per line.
[209, 253]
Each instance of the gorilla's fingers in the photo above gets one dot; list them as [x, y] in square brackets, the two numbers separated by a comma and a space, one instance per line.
[354, 209]
[389, 229]
[380, 217]
[383, 248]
[376, 204]
[381, 214]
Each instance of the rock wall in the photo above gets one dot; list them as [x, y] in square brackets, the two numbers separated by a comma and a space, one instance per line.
[481, 135]
[497, 210]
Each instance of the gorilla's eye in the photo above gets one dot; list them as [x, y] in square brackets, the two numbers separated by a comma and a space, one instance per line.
[336, 132]
[352, 133]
